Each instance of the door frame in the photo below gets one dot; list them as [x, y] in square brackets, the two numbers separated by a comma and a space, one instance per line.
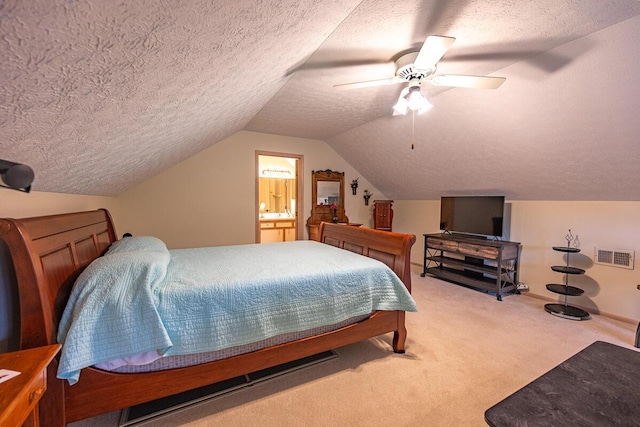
[299, 190]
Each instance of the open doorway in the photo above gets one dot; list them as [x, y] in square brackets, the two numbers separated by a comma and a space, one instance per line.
[278, 197]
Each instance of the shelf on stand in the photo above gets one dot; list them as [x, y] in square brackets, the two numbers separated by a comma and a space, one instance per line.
[572, 291]
[566, 311]
[568, 249]
[465, 265]
[462, 278]
[567, 270]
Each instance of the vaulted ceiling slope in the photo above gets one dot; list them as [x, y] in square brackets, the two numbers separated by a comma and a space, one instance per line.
[98, 96]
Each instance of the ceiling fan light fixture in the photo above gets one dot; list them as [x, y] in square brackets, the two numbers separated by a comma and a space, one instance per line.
[411, 99]
[417, 101]
[402, 106]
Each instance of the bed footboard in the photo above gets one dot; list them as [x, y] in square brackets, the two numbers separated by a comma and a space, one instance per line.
[393, 249]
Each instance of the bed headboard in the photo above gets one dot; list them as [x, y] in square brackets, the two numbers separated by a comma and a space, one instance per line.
[52, 251]
[393, 249]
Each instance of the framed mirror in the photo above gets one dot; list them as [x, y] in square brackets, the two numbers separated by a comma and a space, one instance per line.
[328, 193]
[327, 189]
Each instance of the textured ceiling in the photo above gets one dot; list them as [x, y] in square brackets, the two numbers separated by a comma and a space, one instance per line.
[99, 96]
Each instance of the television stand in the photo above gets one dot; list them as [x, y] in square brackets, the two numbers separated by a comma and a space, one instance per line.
[490, 265]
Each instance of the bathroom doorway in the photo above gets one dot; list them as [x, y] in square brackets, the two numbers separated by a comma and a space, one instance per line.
[279, 190]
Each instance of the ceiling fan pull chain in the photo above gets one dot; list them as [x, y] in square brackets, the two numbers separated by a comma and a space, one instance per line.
[413, 128]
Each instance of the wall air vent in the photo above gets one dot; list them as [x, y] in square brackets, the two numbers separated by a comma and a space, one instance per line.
[615, 257]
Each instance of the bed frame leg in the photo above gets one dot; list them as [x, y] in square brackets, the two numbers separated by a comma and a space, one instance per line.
[399, 335]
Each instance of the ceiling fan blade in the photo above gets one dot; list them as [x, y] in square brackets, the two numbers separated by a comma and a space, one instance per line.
[329, 64]
[370, 83]
[474, 82]
[432, 50]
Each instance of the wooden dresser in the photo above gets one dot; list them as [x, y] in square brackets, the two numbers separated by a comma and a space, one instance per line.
[19, 396]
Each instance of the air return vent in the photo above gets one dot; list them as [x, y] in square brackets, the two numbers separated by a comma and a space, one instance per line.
[615, 257]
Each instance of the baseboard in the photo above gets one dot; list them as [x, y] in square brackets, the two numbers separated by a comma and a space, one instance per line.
[590, 310]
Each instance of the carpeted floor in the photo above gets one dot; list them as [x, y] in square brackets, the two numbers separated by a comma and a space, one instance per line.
[466, 351]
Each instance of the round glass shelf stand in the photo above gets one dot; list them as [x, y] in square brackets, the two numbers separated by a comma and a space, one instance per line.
[565, 310]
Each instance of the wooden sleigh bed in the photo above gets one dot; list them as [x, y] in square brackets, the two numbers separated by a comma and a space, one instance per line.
[49, 253]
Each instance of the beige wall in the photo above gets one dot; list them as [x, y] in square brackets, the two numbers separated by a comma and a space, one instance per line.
[16, 204]
[539, 225]
[209, 199]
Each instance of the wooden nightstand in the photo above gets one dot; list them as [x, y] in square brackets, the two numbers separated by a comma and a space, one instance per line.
[20, 395]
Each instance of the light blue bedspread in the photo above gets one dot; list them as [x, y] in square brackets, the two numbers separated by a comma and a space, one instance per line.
[197, 300]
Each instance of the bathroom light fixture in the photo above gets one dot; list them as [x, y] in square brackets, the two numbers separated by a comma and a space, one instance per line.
[411, 99]
[276, 173]
[16, 176]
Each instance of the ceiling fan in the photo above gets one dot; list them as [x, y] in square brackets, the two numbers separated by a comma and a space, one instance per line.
[418, 67]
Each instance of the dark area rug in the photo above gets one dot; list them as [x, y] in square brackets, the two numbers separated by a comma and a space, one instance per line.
[597, 387]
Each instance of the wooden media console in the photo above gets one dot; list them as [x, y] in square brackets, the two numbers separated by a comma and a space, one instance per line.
[490, 265]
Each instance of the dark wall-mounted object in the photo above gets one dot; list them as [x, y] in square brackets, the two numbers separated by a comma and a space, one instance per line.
[16, 176]
[367, 195]
[354, 186]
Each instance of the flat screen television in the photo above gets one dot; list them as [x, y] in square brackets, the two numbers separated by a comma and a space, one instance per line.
[479, 215]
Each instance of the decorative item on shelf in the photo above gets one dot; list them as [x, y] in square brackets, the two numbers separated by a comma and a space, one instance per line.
[367, 195]
[334, 211]
[16, 176]
[354, 186]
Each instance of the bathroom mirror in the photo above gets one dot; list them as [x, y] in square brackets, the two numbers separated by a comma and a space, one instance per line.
[277, 196]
